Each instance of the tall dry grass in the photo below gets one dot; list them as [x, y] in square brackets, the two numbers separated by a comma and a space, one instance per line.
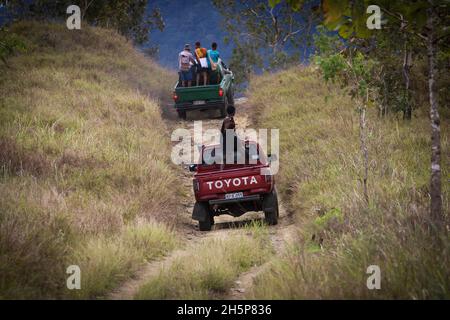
[85, 174]
[320, 180]
[208, 269]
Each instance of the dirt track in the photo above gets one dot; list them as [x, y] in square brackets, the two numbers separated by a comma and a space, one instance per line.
[225, 226]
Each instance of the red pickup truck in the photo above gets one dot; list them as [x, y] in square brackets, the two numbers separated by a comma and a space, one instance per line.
[234, 189]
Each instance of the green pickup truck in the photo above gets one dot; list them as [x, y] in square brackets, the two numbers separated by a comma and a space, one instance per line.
[217, 95]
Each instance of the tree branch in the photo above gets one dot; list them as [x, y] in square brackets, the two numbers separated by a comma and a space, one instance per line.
[400, 18]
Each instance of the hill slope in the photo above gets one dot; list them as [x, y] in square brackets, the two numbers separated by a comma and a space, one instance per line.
[319, 180]
[83, 172]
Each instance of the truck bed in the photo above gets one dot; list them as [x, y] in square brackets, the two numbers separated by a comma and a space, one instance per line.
[216, 96]
[197, 93]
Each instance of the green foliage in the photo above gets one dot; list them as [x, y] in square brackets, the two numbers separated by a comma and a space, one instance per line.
[331, 65]
[262, 34]
[349, 66]
[9, 44]
[327, 43]
[295, 4]
[346, 17]
[333, 214]
[349, 17]
[403, 33]
[244, 59]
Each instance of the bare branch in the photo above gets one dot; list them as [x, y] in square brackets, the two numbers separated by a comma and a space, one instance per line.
[400, 18]
[291, 34]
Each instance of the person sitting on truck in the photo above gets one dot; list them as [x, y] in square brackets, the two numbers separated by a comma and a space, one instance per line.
[202, 63]
[228, 124]
[213, 60]
[185, 62]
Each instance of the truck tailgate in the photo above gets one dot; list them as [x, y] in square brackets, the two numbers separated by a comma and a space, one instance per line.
[230, 181]
[189, 94]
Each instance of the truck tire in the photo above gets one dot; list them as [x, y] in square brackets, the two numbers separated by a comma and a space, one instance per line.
[203, 214]
[270, 208]
[207, 224]
[181, 114]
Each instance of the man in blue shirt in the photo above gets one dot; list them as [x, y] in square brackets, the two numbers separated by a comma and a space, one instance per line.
[213, 54]
[213, 59]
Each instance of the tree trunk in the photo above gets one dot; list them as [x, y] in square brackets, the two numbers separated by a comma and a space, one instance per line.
[364, 151]
[407, 63]
[435, 181]
[384, 108]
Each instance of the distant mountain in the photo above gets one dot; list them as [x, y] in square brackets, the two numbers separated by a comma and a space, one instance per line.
[187, 22]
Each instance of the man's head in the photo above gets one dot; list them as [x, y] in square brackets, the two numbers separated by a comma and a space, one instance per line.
[187, 47]
[214, 46]
[197, 44]
[231, 110]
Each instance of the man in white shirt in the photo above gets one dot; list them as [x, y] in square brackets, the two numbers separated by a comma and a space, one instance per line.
[185, 62]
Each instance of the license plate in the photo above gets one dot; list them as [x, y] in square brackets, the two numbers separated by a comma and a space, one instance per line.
[235, 195]
[198, 102]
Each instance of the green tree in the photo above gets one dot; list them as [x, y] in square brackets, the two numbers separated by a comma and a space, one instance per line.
[426, 21]
[9, 44]
[262, 34]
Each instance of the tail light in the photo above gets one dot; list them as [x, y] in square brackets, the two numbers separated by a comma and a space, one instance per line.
[220, 92]
[196, 185]
[175, 97]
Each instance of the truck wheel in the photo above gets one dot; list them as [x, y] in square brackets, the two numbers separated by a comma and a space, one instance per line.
[182, 114]
[203, 214]
[270, 208]
[207, 224]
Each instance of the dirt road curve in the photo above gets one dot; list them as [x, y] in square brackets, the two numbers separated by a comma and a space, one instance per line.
[225, 226]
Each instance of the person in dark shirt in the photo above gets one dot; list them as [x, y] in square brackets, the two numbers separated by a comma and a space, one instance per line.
[228, 124]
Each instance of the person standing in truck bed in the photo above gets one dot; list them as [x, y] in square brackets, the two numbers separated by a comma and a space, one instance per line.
[202, 69]
[185, 62]
[213, 60]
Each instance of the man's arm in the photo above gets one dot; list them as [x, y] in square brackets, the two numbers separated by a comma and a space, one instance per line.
[191, 57]
[196, 55]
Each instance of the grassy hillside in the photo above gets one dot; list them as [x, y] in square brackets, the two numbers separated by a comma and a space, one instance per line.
[85, 176]
[319, 180]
